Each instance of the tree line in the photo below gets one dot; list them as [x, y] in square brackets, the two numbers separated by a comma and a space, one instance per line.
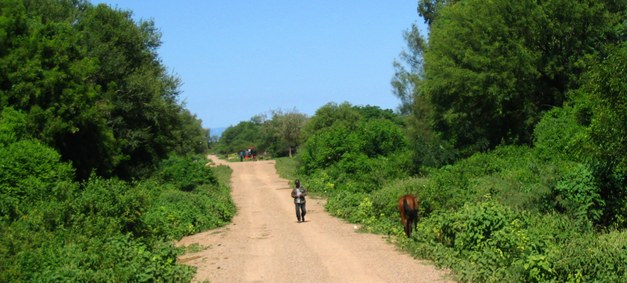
[101, 165]
[490, 73]
[511, 131]
[87, 81]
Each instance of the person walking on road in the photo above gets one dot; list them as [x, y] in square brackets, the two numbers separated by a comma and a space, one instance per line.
[299, 193]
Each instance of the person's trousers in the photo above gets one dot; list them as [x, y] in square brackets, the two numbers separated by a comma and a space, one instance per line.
[301, 210]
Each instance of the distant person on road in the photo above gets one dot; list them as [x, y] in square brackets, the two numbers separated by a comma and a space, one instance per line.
[299, 193]
[241, 156]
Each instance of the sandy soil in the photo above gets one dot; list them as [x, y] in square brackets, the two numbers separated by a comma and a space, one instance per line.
[264, 243]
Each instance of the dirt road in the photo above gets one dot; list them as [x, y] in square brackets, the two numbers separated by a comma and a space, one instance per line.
[266, 244]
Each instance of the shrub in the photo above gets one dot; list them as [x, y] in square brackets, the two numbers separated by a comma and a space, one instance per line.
[320, 182]
[578, 195]
[13, 126]
[31, 172]
[175, 214]
[558, 135]
[513, 175]
[385, 205]
[116, 258]
[385, 200]
[109, 207]
[186, 173]
[357, 156]
[592, 258]
[481, 241]
[346, 205]
[108, 230]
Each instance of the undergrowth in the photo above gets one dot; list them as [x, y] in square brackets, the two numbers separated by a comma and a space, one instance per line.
[504, 216]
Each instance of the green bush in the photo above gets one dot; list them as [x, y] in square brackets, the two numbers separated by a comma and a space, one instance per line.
[481, 241]
[13, 126]
[186, 173]
[385, 200]
[507, 215]
[591, 258]
[513, 175]
[578, 195]
[110, 207]
[98, 235]
[488, 242]
[359, 156]
[287, 167]
[192, 198]
[558, 135]
[320, 182]
[31, 172]
[175, 214]
[346, 205]
[385, 205]
[102, 229]
[116, 258]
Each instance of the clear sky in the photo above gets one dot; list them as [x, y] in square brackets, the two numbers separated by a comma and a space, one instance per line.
[240, 58]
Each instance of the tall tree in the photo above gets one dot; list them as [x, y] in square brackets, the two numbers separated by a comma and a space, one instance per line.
[429, 9]
[191, 137]
[429, 149]
[493, 68]
[91, 84]
[286, 128]
[409, 70]
[602, 101]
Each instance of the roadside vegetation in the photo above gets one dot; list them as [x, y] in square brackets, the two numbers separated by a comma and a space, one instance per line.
[511, 131]
[101, 168]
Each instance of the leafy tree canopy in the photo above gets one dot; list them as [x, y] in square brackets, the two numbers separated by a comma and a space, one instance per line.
[491, 69]
[90, 84]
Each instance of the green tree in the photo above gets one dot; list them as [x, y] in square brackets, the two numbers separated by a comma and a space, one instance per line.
[139, 96]
[429, 149]
[191, 137]
[327, 115]
[409, 70]
[492, 69]
[241, 137]
[285, 130]
[602, 98]
[13, 126]
[91, 85]
[429, 9]
[358, 147]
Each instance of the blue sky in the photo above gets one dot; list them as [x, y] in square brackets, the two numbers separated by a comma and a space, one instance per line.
[238, 59]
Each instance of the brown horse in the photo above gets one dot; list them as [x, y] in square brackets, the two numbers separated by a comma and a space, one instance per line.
[408, 206]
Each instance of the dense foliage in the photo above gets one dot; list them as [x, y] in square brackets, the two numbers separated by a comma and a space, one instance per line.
[86, 107]
[354, 148]
[56, 229]
[90, 84]
[511, 132]
[504, 72]
[515, 129]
